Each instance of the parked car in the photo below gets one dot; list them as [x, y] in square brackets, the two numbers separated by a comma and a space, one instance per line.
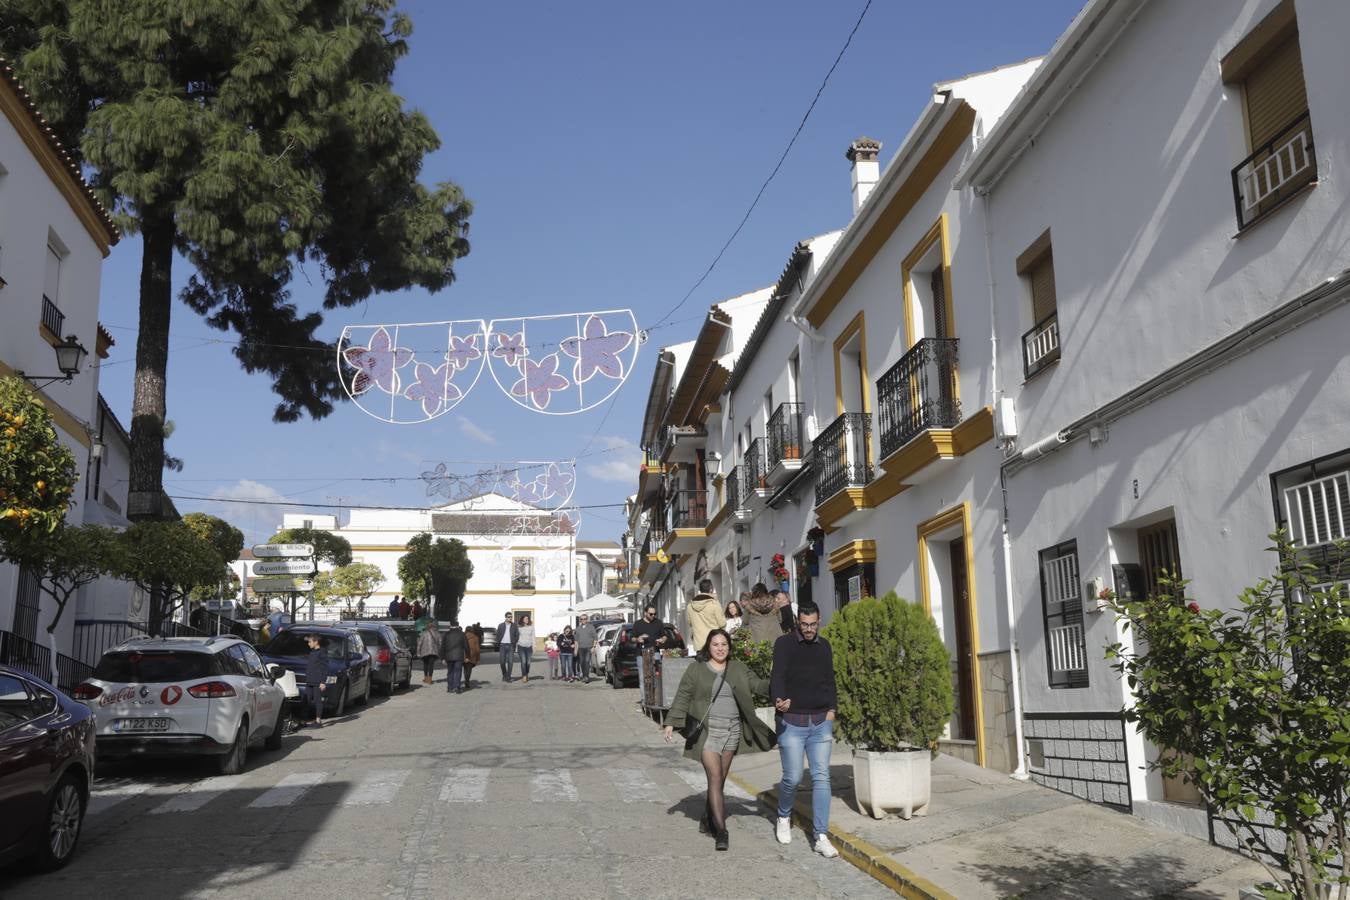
[622, 662]
[210, 696]
[604, 641]
[489, 638]
[391, 660]
[47, 751]
[348, 662]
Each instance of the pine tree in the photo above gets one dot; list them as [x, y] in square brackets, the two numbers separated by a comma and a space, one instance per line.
[248, 136]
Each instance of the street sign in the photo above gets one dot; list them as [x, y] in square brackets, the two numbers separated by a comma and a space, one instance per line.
[284, 567]
[274, 550]
[281, 585]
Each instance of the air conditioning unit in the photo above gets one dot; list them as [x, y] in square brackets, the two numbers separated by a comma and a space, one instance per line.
[1005, 419]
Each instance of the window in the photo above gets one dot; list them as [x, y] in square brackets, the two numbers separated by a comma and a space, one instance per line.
[1312, 504]
[1040, 345]
[522, 573]
[853, 583]
[51, 283]
[1267, 67]
[16, 707]
[1159, 555]
[1062, 604]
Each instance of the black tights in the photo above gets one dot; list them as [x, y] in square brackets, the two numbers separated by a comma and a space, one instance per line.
[428, 665]
[716, 766]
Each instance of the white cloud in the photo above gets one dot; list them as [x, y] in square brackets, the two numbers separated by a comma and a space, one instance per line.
[619, 463]
[470, 429]
[259, 519]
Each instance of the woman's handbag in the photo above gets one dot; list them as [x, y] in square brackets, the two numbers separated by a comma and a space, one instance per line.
[693, 732]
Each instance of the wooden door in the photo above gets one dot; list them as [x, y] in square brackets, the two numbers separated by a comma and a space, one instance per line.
[965, 652]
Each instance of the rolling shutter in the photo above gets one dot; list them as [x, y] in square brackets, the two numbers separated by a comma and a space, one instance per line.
[1043, 288]
[1275, 93]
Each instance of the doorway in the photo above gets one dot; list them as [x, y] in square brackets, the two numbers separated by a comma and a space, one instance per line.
[965, 655]
[947, 585]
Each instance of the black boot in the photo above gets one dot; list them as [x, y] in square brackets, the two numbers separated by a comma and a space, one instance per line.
[722, 839]
[703, 825]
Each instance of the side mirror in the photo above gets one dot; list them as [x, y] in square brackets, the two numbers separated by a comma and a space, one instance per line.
[275, 671]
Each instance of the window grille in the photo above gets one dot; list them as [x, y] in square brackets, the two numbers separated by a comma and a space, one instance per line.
[1062, 602]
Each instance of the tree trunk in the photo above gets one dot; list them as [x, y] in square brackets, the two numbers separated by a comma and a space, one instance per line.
[145, 498]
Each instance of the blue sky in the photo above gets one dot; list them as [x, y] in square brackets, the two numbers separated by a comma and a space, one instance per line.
[609, 149]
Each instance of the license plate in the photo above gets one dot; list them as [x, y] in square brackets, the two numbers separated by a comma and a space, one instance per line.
[142, 725]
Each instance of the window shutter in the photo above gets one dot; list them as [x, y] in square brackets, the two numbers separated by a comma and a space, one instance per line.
[1275, 93]
[1043, 289]
[939, 289]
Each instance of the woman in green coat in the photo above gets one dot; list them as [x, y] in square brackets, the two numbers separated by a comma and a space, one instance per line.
[719, 691]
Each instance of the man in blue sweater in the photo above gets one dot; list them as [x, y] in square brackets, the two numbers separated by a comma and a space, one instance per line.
[803, 690]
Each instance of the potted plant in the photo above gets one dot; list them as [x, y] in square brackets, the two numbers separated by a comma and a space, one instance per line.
[778, 571]
[758, 658]
[816, 537]
[792, 451]
[895, 698]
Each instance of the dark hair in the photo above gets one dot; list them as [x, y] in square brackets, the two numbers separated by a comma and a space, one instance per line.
[809, 609]
[706, 652]
[730, 604]
[759, 590]
[705, 586]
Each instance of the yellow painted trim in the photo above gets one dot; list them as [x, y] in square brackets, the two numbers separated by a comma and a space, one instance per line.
[720, 519]
[974, 431]
[958, 514]
[857, 325]
[938, 233]
[57, 169]
[853, 553]
[929, 446]
[925, 172]
[841, 504]
[64, 418]
[677, 533]
[883, 489]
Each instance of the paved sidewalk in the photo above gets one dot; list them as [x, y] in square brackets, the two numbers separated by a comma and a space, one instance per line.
[988, 835]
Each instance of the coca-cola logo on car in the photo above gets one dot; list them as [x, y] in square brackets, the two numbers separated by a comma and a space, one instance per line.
[121, 696]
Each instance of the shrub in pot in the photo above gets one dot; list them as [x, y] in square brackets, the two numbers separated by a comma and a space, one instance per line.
[758, 658]
[895, 698]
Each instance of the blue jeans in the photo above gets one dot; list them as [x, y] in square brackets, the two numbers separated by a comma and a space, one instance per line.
[584, 661]
[567, 665]
[525, 654]
[506, 656]
[315, 701]
[815, 742]
[454, 677]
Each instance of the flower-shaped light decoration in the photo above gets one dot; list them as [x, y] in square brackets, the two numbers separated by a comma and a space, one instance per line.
[539, 381]
[463, 351]
[510, 347]
[597, 350]
[554, 482]
[433, 388]
[439, 481]
[376, 364]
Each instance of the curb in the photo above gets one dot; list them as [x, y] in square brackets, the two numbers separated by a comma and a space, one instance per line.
[861, 854]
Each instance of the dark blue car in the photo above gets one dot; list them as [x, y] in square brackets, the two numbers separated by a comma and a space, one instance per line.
[348, 662]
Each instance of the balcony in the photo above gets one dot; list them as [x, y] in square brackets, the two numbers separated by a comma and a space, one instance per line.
[755, 471]
[784, 444]
[651, 564]
[736, 490]
[843, 467]
[682, 443]
[650, 473]
[1040, 345]
[1275, 172]
[686, 521]
[918, 393]
[53, 320]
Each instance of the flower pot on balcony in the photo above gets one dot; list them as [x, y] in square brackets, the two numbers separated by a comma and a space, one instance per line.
[896, 780]
[792, 451]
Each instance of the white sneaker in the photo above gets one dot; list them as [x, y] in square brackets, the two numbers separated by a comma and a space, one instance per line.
[782, 830]
[824, 847]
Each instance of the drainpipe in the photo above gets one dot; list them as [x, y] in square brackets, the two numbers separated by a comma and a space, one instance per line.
[1046, 445]
[1014, 667]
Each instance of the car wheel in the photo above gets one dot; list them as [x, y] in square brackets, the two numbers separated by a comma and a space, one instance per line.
[278, 731]
[65, 816]
[614, 680]
[341, 704]
[232, 763]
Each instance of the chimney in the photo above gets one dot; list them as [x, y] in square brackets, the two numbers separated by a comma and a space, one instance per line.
[863, 154]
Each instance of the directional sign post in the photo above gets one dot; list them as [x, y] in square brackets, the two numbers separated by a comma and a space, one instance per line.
[285, 560]
[281, 585]
[284, 567]
[271, 551]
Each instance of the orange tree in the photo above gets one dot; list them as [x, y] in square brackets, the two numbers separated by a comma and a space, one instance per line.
[37, 471]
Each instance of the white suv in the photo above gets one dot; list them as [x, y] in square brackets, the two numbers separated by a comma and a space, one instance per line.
[184, 696]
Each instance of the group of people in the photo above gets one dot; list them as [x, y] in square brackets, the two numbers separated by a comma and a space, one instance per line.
[458, 647]
[400, 608]
[714, 708]
[767, 614]
[569, 651]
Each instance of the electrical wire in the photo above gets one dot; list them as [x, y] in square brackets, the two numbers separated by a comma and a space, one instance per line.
[516, 511]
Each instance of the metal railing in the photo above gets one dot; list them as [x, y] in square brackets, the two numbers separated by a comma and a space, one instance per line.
[785, 433]
[52, 318]
[735, 489]
[841, 458]
[1318, 511]
[687, 509]
[21, 653]
[94, 637]
[1040, 345]
[756, 472]
[70, 672]
[918, 393]
[1274, 171]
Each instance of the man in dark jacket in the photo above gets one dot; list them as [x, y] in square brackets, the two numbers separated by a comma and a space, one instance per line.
[508, 635]
[316, 676]
[394, 606]
[453, 650]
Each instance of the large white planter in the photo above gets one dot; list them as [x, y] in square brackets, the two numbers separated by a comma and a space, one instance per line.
[898, 781]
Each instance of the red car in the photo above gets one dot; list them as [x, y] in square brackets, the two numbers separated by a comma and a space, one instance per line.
[46, 769]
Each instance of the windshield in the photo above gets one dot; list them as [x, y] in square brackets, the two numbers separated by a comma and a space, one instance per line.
[294, 643]
[153, 666]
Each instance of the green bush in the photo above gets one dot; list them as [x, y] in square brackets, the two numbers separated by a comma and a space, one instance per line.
[893, 675]
[757, 656]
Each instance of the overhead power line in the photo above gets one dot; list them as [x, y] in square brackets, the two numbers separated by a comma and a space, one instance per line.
[516, 511]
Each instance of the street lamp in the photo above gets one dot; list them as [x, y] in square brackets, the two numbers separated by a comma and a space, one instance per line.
[70, 353]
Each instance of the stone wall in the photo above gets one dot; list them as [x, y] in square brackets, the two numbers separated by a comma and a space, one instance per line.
[1082, 754]
[1000, 733]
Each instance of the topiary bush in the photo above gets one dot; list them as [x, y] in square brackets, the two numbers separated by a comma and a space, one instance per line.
[893, 675]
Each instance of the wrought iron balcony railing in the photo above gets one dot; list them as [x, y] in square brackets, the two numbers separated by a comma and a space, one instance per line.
[687, 509]
[756, 473]
[735, 489]
[1040, 345]
[841, 458]
[1275, 171]
[918, 393]
[785, 434]
[52, 318]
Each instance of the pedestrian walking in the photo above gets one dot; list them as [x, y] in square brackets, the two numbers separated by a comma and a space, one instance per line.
[703, 614]
[429, 647]
[567, 647]
[733, 616]
[803, 690]
[394, 607]
[715, 709]
[508, 633]
[316, 677]
[454, 647]
[551, 651]
[361, 608]
[525, 645]
[761, 614]
[473, 636]
[586, 638]
[650, 633]
[404, 608]
[417, 610]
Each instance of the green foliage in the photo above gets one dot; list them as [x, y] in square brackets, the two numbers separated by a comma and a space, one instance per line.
[167, 559]
[227, 540]
[71, 557]
[1253, 706]
[328, 547]
[37, 471]
[439, 568]
[347, 584]
[893, 674]
[757, 656]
